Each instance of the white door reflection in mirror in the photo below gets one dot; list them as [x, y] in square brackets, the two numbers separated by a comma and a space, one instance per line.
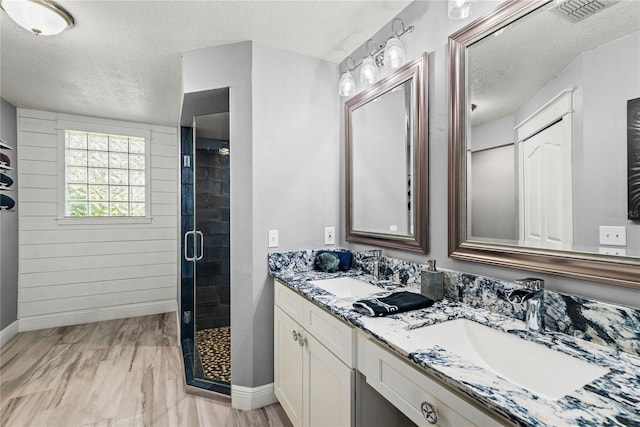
[546, 209]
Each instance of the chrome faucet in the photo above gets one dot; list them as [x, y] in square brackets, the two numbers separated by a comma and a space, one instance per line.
[532, 295]
[375, 255]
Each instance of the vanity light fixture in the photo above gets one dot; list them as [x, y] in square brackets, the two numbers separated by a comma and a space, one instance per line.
[460, 9]
[41, 17]
[390, 55]
[347, 85]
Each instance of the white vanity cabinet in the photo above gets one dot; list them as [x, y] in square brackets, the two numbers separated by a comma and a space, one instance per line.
[421, 398]
[314, 361]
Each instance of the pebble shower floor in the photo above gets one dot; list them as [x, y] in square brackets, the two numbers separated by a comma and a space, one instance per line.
[214, 347]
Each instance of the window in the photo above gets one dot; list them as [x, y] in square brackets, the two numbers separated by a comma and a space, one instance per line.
[104, 175]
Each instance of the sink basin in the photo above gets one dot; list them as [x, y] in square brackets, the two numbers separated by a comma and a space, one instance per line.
[347, 287]
[530, 365]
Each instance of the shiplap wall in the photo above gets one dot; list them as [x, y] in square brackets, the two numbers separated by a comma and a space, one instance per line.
[76, 273]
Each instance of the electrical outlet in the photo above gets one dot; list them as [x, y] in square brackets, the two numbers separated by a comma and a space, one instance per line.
[614, 236]
[612, 251]
[273, 238]
[329, 235]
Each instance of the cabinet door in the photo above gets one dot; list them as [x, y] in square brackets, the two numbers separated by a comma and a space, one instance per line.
[329, 391]
[288, 366]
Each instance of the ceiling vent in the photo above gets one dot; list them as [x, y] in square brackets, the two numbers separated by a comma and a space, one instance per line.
[577, 10]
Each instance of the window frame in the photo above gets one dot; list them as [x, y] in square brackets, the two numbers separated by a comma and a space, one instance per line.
[66, 125]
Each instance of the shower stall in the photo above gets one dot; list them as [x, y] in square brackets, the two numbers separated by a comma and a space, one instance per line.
[205, 212]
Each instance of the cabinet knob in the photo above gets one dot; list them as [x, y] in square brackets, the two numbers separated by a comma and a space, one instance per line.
[302, 340]
[429, 412]
[295, 335]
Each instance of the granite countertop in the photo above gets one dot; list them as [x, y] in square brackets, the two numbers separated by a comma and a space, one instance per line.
[611, 400]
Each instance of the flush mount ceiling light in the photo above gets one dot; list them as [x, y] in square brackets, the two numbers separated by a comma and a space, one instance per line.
[460, 9]
[41, 17]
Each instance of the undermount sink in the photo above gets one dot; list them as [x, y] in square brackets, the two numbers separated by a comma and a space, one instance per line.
[347, 287]
[530, 365]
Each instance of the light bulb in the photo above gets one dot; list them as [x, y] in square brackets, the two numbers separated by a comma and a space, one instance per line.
[368, 71]
[460, 9]
[393, 53]
[347, 85]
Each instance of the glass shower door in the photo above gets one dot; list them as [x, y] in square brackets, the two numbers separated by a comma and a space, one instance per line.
[205, 214]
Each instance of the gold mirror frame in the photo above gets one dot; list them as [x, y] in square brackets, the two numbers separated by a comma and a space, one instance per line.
[415, 70]
[600, 268]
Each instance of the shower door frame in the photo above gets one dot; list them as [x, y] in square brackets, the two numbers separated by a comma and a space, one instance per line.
[191, 251]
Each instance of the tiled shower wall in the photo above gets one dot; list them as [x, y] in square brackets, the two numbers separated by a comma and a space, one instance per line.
[212, 218]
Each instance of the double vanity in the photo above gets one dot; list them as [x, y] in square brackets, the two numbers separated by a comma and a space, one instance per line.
[455, 363]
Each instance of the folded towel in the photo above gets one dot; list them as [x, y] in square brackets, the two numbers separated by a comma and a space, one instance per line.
[396, 302]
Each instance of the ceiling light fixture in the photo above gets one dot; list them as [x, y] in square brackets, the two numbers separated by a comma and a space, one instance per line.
[41, 17]
[460, 9]
[390, 55]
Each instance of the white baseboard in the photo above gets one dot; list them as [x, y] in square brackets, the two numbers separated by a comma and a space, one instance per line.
[9, 332]
[95, 315]
[248, 398]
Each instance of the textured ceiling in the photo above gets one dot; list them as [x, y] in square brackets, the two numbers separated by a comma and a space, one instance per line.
[122, 59]
[507, 69]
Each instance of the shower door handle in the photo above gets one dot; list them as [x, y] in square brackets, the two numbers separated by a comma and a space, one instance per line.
[199, 233]
[186, 252]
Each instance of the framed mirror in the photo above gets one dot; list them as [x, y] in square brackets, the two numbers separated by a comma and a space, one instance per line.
[386, 161]
[544, 139]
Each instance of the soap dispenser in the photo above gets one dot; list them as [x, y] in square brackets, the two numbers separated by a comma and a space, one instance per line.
[432, 281]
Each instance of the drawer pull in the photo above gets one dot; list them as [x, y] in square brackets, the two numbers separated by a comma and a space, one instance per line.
[429, 412]
[295, 335]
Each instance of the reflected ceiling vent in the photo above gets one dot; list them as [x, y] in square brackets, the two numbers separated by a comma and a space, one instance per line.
[577, 10]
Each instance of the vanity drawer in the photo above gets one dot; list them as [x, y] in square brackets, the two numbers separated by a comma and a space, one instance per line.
[407, 388]
[333, 333]
[289, 301]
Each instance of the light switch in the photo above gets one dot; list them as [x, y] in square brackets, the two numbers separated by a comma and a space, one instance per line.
[273, 238]
[329, 235]
[614, 236]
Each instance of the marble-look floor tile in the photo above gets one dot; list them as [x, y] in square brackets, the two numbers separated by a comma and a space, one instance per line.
[126, 372]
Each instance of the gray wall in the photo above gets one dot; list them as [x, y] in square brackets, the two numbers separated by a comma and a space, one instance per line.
[493, 194]
[492, 183]
[284, 175]
[9, 224]
[432, 29]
